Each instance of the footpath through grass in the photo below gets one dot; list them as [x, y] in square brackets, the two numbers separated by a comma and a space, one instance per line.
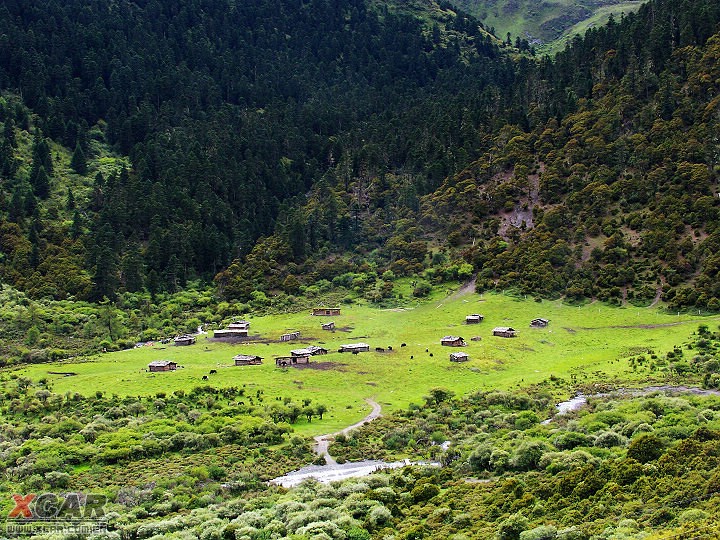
[587, 343]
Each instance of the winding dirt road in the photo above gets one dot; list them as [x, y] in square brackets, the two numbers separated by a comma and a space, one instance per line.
[322, 442]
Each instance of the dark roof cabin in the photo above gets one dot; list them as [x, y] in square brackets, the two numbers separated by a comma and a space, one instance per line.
[475, 318]
[325, 311]
[162, 365]
[185, 339]
[328, 325]
[453, 341]
[355, 347]
[310, 350]
[459, 357]
[290, 361]
[247, 360]
[504, 331]
[539, 323]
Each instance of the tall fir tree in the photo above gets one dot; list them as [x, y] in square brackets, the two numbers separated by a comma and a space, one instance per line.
[78, 161]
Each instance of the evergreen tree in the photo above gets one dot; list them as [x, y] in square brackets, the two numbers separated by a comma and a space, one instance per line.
[78, 161]
[16, 211]
[70, 201]
[41, 155]
[77, 226]
[132, 269]
[41, 183]
[34, 258]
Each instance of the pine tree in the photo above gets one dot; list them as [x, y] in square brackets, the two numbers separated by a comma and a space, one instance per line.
[41, 155]
[77, 226]
[78, 161]
[17, 207]
[41, 183]
[34, 258]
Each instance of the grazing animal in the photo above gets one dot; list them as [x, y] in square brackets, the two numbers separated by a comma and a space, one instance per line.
[426, 350]
[431, 354]
[389, 347]
[356, 352]
[379, 349]
[403, 344]
[411, 357]
[213, 371]
[205, 377]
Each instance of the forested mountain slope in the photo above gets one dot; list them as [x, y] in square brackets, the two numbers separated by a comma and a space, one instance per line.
[619, 198]
[541, 22]
[274, 144]
[226, 110]
[602, 184]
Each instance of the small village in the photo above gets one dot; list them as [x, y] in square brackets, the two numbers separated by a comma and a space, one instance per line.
[238, 332]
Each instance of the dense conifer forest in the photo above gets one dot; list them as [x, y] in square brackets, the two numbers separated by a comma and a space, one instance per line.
[271, 144]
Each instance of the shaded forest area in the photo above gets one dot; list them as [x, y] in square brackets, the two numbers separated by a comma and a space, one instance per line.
[272, 144]
[227, 111]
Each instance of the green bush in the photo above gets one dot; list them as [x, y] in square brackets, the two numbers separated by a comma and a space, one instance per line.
[646, 447]
[424, 492]
[512, 527]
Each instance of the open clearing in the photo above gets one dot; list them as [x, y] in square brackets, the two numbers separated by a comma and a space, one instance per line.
[582, 341]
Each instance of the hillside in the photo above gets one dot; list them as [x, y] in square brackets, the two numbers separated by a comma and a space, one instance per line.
[546, 25]
[425, 150]
[227, 114]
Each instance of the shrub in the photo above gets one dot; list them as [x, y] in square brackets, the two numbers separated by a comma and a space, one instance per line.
[528, 454]
[379, 517]
[544, 532]
[571, 439]
[608, 439]
[512, 527]
[424, 492]
[646, 447]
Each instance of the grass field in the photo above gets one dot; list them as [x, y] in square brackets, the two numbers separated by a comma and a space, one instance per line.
[599, 18]
[551, 22]
[582, 341]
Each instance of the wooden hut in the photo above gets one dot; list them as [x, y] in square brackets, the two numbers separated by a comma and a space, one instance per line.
[237, 329]
[475, 318]
[539, 323]
[290, 361]
[325, 311]
[310, 350]
[247, 360]
[453, 341]
[355, 348]
[504, 331]
[290, 336]
[162, 365]
[459, 357]
[183, 340]
[329, 325]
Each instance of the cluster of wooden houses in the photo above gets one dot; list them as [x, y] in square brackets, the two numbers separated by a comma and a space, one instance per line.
[299, 356]
[241, 328]
[500, 331]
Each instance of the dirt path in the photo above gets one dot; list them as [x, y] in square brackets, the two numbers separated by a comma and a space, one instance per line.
[322, 442]
[467, 288]
[658, 295]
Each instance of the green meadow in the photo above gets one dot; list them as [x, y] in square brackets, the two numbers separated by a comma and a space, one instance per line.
[599, 18]
[582, 344]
